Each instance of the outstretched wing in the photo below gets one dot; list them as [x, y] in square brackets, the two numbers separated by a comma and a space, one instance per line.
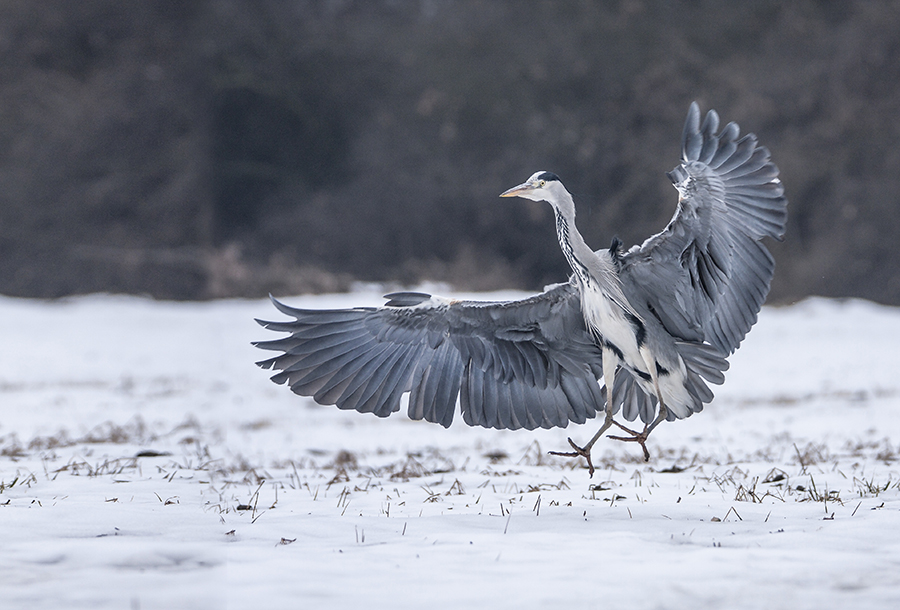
[706, 275]
[516, 364]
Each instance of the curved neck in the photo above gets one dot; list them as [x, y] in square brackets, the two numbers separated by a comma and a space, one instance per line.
[593, 270]
[572, 244]
[576, 251]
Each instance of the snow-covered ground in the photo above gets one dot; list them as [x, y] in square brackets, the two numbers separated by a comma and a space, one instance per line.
[145, 462]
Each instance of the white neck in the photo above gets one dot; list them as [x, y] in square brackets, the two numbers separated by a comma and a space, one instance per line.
[593, 271]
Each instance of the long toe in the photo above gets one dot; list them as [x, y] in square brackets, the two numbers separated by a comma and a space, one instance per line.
[640, 438]
[584, 452]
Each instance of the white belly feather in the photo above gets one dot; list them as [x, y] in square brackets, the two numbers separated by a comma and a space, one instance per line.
[612, 327]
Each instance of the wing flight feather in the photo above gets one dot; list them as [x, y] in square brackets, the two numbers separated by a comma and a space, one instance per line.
[515, 364]
[706, 275]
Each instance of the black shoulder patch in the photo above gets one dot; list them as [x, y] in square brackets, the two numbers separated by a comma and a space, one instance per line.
[548, 176]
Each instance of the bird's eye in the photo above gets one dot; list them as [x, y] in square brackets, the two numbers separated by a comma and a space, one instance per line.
[542, 183]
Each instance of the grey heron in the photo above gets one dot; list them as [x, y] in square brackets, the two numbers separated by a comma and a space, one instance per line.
[654, 323]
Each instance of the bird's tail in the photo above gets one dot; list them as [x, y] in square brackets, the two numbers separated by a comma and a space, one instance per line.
[703, 363]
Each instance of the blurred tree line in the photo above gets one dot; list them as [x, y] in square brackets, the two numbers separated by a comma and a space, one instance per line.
[235, 147]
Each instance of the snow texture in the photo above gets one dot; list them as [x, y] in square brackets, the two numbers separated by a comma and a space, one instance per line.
[145, 462]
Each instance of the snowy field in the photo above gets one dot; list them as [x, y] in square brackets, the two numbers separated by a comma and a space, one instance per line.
[145, 462]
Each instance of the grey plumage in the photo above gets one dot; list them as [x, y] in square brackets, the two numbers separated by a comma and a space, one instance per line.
[520, 364]
[664, 314]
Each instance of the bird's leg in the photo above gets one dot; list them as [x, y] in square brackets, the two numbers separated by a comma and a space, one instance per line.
[641, 437]
[609, 376]
[585, 451]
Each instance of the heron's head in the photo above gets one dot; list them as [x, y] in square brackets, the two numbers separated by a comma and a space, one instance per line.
[542, 186]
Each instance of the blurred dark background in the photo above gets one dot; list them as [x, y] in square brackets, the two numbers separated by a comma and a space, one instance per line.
[236, 147]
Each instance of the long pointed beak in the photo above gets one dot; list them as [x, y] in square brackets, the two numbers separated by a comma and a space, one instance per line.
[517, 190]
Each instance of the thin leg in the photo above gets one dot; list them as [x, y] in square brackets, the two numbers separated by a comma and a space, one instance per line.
[641, 437]
[610, 363]
[585, 451]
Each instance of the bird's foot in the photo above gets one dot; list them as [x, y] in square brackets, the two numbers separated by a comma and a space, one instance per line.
[636, 437]
[584, 452]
